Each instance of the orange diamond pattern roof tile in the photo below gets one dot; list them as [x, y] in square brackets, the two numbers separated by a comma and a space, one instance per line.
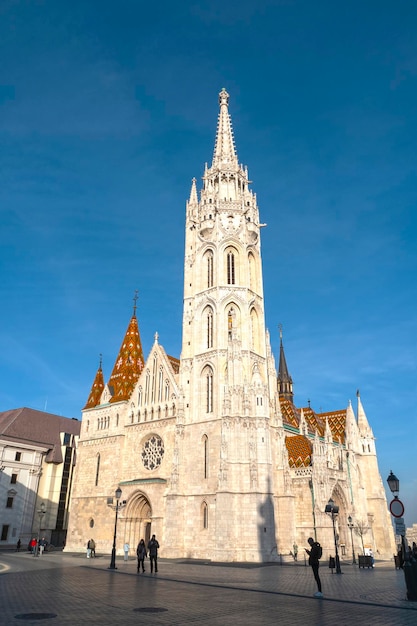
[96, 390]
[129, 364]
[299, 451]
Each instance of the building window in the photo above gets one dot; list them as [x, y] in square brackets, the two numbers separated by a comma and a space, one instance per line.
[204, 515]
[67, 439]
[230, 268]
[4, 532]
[9, 503]
[208, 373]
[18, 456]
[210, 269]
[152, 452]
[209, 328]
[205, 452]
[13, 479]
[97, 469]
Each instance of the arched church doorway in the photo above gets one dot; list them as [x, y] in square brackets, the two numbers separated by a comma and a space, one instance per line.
[137, 520]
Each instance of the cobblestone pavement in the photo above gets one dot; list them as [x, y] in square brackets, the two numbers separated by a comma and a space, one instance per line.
[62, 589]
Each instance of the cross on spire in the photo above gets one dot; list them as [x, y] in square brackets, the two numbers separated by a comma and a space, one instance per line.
[135, 299]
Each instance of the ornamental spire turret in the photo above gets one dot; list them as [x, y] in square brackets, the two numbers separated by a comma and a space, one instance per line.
[129, 363]
[96, 389]
[363, 425]
[284, 380]
[224, 149]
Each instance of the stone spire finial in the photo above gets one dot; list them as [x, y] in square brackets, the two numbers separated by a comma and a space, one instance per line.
[224, 150]
[193, 193]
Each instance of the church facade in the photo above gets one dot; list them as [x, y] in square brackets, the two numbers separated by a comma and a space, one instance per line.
[210, 451]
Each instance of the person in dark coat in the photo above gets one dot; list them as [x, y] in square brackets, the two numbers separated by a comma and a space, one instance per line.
[141, 554]
[314, 554]
[153, 546]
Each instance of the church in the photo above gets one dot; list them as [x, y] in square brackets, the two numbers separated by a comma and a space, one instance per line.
[209, 450]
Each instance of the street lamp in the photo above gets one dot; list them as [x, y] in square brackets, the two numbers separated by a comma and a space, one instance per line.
[397, 510]
[118, 494]
[41, 513]
[333, 511]
[351, 526]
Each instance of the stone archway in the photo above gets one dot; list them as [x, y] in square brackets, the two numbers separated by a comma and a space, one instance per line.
[137, 520]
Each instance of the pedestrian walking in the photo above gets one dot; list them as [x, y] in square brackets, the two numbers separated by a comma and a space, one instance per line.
[19, 543]
[126, 552]
[91, 545]
[33, 545]
[141, 554]
[295, 551]
[42, 545]
[153, 546]
[314, 556]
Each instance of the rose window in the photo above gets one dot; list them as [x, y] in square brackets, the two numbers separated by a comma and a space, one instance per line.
[152, 452]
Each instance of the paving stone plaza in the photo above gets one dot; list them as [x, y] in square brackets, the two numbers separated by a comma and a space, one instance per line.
[62, 589]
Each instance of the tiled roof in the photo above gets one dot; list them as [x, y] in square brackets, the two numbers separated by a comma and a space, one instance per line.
[175, 363]
[291, 416]
[96, 390]
[299, 451]
[337, 423]
[128, 365]
[37, 427]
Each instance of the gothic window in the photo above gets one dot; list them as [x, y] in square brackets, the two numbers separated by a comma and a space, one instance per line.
[154, 370]
[147, 383]
[204, 515]
[252, 272]
[140, 396]
[208, 381]
[152, 452]
[210, 273]
[166, 390]
[209, 327]
[205, 453]
[230, 259]
[160, 384]
[97, 469]
[231, 322]
[254, 330]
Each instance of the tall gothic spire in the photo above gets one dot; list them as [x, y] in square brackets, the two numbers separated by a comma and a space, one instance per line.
[284, 379]
[224, 150]
[129, 363]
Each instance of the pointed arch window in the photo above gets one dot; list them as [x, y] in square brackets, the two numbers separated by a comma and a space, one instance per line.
[97, 469]
[230, 267]
[208, 381]
[147, 383]
[204, 515]
[210, 272]
[205, 456]
[209, 325]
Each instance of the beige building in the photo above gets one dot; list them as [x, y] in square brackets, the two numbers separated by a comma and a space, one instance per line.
[210, 451]
[37, 457]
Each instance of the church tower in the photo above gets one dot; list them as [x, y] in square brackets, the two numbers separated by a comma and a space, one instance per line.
[224, 366]
[209, 450]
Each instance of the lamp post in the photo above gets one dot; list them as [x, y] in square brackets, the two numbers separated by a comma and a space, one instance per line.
[397, 511]
[351, 526]
[41, 513]
[333, 510]
[118, 494]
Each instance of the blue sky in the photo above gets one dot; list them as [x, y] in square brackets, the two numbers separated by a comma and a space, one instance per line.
[107, 111]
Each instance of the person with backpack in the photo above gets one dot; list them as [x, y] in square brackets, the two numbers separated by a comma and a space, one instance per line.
[314, 556]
